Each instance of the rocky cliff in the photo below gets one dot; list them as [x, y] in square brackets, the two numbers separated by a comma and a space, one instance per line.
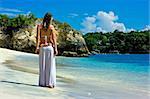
[70, 41]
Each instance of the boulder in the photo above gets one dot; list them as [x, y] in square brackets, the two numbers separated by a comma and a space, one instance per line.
[69, 54]
[4, 40]
[71, 40]
[24, 40]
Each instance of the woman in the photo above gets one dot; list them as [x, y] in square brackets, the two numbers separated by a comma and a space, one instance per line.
[47, 48]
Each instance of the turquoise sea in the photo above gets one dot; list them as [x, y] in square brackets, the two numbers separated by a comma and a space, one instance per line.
[104, 76]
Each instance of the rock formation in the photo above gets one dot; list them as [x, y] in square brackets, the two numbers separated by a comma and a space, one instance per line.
[69, 40]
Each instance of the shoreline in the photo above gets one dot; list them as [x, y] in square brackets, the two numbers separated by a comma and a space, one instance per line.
[15, 78]
[18, 75]
[78, 56]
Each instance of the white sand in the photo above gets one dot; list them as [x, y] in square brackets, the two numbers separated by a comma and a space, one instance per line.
[21, 85]
[18, 84]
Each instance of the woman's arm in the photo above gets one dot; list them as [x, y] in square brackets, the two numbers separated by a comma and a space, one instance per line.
[54, 38]
[37, 39]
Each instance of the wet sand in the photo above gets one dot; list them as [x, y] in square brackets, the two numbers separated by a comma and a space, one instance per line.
[18, 79]
[21, 82]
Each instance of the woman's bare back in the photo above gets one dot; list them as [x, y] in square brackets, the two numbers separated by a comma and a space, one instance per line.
[49, 35]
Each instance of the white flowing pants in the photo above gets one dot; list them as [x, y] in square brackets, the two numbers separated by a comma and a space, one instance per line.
[47, 67]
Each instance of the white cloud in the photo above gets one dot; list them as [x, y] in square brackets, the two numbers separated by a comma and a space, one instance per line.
[27, 13]
[9, 10]
[73, 15]
[146, 28]
[103, 22]
[99, 29]
[12, 12]
[9, 14]
[106, 16]
[129, 30]
[89, 24]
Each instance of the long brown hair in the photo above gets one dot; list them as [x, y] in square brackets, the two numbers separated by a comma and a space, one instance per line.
[47, 19]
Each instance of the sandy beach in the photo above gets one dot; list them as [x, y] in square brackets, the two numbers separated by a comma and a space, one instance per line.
[18, 82]
[19, 79]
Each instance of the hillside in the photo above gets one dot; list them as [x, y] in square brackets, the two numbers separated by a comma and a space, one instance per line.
[19, 33]
[134, 42]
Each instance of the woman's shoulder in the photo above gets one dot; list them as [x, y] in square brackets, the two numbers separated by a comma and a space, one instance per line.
[51, 26]
[39, 26]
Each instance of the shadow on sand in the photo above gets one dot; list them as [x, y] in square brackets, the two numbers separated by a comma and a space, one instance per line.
[18, 83]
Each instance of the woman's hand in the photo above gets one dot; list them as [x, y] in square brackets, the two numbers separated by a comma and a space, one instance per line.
[55, 52]
[37, 50]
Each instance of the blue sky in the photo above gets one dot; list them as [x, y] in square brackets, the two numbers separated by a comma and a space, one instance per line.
[125, 14]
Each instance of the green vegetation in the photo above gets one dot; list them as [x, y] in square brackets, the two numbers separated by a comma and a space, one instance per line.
[11, 24]
[20, 32]
[132, 42]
